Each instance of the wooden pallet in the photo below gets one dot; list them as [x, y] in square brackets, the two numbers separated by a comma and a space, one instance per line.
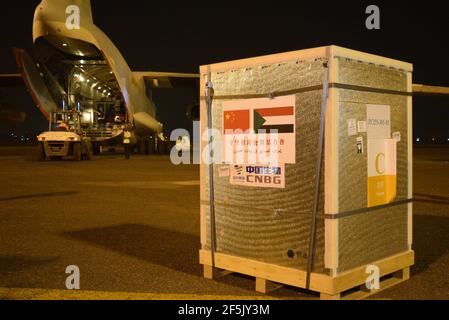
[349, 285]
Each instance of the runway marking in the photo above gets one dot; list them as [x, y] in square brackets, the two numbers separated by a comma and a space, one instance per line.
[146, 184]
[51, 294]
[186, 183]
[40, 195]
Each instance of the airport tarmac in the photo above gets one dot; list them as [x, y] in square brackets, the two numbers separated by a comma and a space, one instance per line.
[132, 227]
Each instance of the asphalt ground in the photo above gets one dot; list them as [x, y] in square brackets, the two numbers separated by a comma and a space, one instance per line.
[132, 227]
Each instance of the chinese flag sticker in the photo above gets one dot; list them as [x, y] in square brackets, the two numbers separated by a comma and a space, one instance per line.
[236, 120]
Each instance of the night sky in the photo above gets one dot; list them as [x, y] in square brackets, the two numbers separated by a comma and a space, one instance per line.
[179, 36]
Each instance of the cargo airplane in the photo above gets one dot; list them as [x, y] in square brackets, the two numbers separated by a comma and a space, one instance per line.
[76, 69]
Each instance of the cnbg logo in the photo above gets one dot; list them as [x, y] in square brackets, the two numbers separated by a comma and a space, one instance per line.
[266, 175]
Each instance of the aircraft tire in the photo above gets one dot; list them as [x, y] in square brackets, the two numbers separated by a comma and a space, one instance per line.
[41, 152]
[88, 150]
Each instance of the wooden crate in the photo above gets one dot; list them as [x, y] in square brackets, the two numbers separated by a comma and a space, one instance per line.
[349, 235]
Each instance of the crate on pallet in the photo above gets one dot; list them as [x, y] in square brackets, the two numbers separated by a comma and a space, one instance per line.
[274, 223]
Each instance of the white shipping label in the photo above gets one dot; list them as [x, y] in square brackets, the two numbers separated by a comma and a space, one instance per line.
[361, 126]
[224, 171]
[378, 121]
[360, 146]
[352, 127]
[258, 176]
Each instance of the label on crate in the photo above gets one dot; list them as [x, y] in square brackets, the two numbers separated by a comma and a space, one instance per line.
[258, 176]
[378, 121]
[259, 131]
[381, 171]
[223, 171]
[361, 126]
[360, 145]
[352, 127]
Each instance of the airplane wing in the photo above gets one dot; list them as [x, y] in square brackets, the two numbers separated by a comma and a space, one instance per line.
[425, 90]
[167, 80]
[11, 80]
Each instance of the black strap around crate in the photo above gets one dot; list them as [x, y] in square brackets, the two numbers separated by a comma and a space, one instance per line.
[349, 213]
[209, 95]
[328, 216]
[313, 88]
[316, 201]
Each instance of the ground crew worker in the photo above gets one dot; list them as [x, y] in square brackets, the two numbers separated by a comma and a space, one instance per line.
[127, 134]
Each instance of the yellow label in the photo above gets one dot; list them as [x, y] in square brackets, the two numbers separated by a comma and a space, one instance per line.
[381, 171]
[381, 190]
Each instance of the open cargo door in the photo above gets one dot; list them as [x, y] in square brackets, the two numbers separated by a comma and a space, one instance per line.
[34, 83]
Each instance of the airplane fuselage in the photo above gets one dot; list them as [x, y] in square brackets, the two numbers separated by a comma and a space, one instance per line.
[69, 26]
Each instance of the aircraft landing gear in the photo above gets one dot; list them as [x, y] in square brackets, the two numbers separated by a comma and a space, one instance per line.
[96, 149]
